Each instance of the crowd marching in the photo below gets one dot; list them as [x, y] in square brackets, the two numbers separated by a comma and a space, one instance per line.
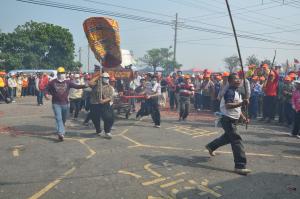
[265, 88]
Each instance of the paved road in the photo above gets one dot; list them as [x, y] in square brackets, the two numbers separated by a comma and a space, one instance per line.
[140, 161]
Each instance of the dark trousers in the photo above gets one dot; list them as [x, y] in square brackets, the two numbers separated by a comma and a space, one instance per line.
[104, 112]
[216, 105]
[184, 106]
[206, 102]
[253, 107]
[87, 118]
[39, 97]
[154, 110]
[4, 95]
[75, 104]
[144, 110]
[288, 113]
[198, 101]
[31, 90]
[296, 123]
[24, 91]
[280, 110]
[173, 101]
[269, 107]
[231, 136]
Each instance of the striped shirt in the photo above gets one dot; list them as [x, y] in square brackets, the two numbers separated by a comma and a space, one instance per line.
[185, 89]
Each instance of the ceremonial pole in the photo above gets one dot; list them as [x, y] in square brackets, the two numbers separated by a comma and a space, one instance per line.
[240, 57]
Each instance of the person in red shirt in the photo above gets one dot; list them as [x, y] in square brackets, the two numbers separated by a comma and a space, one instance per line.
[186, 91]
[269, 102]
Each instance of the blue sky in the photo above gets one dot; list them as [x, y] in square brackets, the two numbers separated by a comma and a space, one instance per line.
[270, 20]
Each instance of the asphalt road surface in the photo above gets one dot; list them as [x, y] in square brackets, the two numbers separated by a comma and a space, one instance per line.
[139, 162]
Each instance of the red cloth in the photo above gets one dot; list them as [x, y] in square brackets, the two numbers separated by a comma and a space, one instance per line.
[272, 86]
[186, 89]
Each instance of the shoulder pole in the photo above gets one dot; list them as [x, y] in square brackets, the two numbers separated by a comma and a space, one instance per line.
[239, 52]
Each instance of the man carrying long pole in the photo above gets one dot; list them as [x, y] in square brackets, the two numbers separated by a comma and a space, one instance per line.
[230, 107]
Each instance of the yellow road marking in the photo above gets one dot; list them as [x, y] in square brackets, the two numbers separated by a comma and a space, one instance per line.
[147, 168]
[200, 150]
[181, 131]
[15, 152]
[205, 134]
[291, 156]
[175, 191]
[122, 133]
[58, 180]
[205, 189]
[171, 183]
[158, 180]
[52, 184]
[204, 182]
[164, 195]
[130, 173]
[180, 174]
[92, 152]
[131, 140]
[152, 197]
[187, 130]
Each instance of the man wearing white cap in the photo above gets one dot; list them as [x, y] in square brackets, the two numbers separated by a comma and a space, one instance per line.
[75, 96]
[101, 96]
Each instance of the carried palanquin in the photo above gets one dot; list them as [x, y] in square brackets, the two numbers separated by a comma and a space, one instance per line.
[104, 39]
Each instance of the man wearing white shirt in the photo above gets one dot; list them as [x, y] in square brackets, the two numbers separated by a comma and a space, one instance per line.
[230, 108]
[133, 85]
[152, 92]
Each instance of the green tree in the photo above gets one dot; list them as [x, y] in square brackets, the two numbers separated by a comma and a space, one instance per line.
[159, 57]
[232, 62]
[37, 45]
[252, 60]
[267, 61]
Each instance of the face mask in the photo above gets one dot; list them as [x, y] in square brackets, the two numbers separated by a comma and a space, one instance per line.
[61, 77]
[105, 80]
[154, 82]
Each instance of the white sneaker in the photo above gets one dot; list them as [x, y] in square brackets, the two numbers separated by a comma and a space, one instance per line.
[113, 128]
[298, 136]
[242, 171]
[108, 135]
[101, 134]
[157, 126]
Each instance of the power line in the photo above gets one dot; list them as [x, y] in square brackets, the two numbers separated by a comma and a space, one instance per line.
[225, 45]
[127, 8]
[242, 18]
[150, 20]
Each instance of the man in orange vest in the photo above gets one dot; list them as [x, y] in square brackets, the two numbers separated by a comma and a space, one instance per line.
[24, 85]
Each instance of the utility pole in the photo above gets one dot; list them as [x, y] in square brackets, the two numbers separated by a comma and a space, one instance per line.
[88, 58]
[175, 41]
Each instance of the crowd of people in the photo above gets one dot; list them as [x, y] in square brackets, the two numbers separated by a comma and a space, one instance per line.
[237, 97]
[270, 93]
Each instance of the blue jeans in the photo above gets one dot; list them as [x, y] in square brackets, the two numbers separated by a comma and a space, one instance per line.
[12, 92]
[198, 98]
[60, 113]
[39, 96]
[253, 106]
